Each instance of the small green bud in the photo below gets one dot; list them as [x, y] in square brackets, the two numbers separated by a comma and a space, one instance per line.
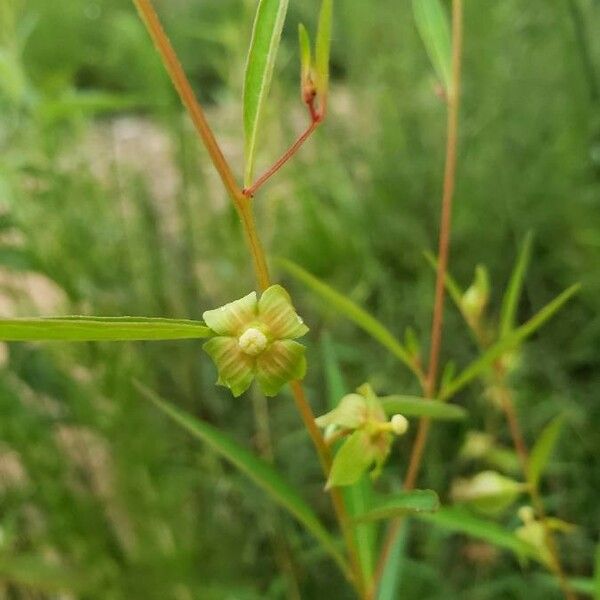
[489, 492]
[255, 340]
[475, 299]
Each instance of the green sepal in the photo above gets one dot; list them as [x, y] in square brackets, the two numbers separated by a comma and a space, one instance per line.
[232, 318]
[282, 362]
[236, 369]
[276, 311]
[350, 413]
[352, 460]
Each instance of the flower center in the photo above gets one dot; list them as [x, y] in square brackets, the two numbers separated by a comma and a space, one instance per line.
[253, 341]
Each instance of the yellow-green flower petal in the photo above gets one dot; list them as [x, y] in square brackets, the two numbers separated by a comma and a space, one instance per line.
[352, 460]
[236, 369]
[281, 362]
[233, 318]
[276, 311]
[350, 413]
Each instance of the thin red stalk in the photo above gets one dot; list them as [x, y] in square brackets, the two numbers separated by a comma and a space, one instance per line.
[418, 449]
[288, 154]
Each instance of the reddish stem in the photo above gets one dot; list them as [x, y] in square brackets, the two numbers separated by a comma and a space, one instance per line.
[289, 153]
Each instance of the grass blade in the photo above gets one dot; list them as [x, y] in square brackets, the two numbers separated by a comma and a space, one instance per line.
[413, 406]
[259, 471]
[353, 312]
[401, 504]
[597, 574]
[433, 26]
[266, 35]
[510, 302]
[96, 329]
[358, 496]
[460, 521]
[493, 353]
[542, 451]
[35, 573]
[389, 585]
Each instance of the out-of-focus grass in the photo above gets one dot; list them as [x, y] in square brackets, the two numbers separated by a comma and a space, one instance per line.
[109, 207]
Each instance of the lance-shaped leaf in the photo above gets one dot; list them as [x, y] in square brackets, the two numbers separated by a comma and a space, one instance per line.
[510, 302]
[323, 51]
[414, 406]
[542, 451]
[259, 471]
[400, 504]
[343, 305]
[460, 521]
[96, 329]
[305, 53]
[266, 35]
[432, 23]
[507, 343]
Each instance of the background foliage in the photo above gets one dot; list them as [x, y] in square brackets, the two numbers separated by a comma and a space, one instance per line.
[110, 207]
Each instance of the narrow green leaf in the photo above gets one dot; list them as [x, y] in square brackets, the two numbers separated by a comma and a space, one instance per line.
[460, 521]
[259, 471]
[507, 343]
[414, 406]
[510, 302]
[305, 52]
[323, 48]
[352, 311]
[542, 451]
[358, 496]
[95, 329]
[434, 28]
[400, 504]
[597, 574]
[266, 35]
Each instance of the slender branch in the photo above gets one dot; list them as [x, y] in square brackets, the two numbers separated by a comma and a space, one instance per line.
[288, 154]
[243, 205]
[418, 449]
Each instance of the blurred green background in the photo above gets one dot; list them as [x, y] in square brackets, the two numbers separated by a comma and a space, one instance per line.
[110, 207]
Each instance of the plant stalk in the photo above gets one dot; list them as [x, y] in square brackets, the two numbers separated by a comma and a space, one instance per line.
[243, 204]
[418, 448]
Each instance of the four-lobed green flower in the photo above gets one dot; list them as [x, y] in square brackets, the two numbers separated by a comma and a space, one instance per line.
[361, 418]
[255, 339]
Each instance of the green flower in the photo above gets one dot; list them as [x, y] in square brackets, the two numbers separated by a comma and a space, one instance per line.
[255, 340]
[361, 417]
